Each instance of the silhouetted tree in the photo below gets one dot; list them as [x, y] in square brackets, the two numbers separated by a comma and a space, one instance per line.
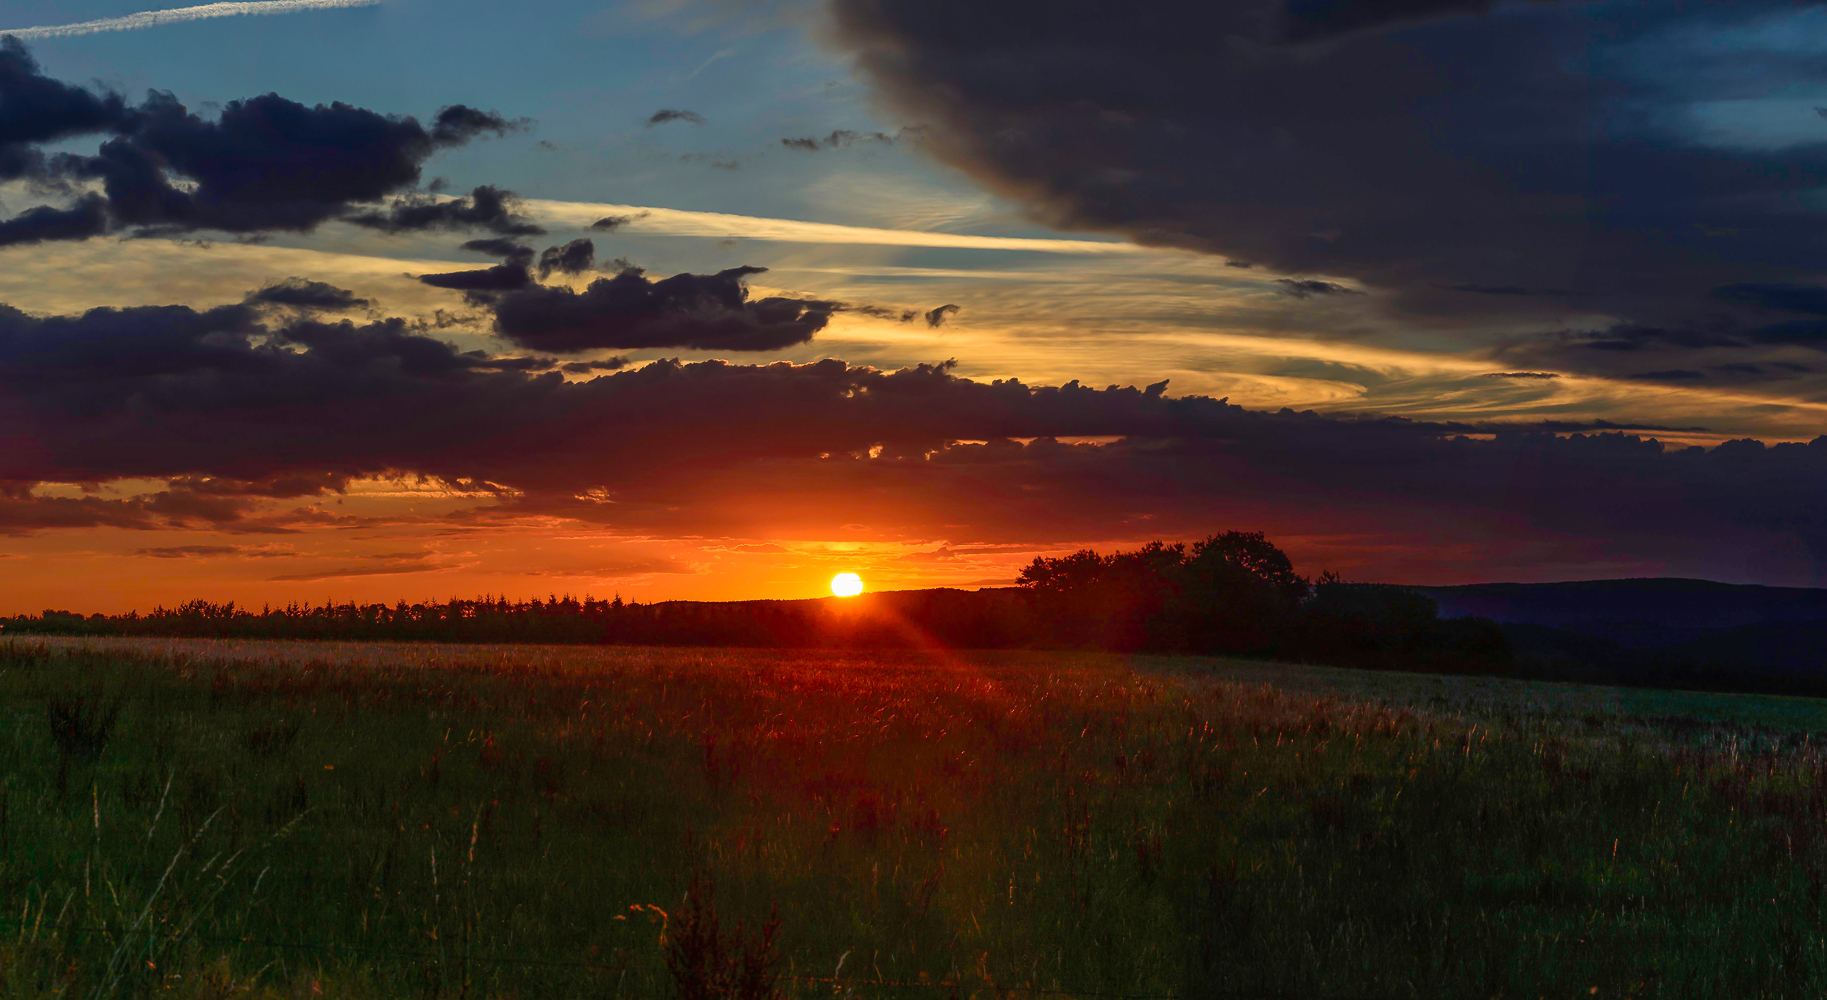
[1232, 593]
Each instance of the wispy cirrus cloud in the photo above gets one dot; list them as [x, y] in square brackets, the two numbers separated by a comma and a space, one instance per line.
[179, 15]
[721, 225]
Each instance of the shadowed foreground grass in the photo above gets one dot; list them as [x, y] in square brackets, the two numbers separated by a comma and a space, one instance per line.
[255, 819]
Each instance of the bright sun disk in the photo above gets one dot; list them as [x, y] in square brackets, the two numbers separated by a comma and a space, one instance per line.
[846, 585]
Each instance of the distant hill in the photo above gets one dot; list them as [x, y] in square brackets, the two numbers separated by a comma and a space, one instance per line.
[1656, 603]
[1654, 626]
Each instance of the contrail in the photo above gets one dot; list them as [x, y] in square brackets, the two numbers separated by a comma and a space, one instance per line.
[154, 18]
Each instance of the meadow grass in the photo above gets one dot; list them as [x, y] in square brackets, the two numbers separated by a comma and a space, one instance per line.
[217, 819]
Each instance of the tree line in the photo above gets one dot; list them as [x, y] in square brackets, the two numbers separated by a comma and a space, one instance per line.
[1237, 594]
[1233, 593]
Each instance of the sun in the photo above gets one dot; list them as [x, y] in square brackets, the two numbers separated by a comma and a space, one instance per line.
[846, 585]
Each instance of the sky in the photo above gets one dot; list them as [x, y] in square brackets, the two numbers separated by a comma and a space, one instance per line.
[689, 299]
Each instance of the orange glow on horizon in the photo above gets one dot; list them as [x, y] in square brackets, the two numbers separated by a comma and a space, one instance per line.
[846, 585]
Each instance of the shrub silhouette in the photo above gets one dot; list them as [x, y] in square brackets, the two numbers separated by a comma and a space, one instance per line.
[81, 728]
[706, 965]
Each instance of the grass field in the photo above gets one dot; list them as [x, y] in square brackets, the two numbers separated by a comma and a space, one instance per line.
[271, 819]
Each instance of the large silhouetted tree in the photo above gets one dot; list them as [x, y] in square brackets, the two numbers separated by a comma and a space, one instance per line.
[1231, 593]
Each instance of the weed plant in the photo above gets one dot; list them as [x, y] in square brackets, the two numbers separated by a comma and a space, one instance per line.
[298, 820]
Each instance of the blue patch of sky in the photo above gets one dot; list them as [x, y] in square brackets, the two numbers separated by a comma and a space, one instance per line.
[1731, 80]
[589, 74]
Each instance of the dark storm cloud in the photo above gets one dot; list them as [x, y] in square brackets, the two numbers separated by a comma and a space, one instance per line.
[266, 163]
[213, 401]
[387, 396]
[487, 207]
[842, 138]
[512, 252]
[1782, 298]
[500, 278]
[283, 487]
[1306, 288]
[584, 367]
[1622, 349]
[1423, 148]
[304, 293]
[1791, 298]
[482, 362]
[1632, 337]
[1491, 289]
[1311, 20]
[1673, 354]
[212, 551]
[263, 164]
[1805, 333]
[86, 217]
[574, 257]
[21, 512]
[457, 124]
[610, 223]
[631, 311]
[160, 356]
[883, 312]
[36, 109]
[1669, 375]
[517, 364]
[665, 115]
[188, 551]
[203, 397]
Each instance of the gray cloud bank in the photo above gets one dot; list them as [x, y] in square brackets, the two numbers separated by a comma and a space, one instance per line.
[239, 409]
[1467, 159]
[263, 164]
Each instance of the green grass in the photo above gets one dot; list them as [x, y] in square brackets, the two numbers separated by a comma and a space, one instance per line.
[276, 819]
[1746, 723]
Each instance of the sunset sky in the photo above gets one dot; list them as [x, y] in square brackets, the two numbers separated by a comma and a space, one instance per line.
[298, 303]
